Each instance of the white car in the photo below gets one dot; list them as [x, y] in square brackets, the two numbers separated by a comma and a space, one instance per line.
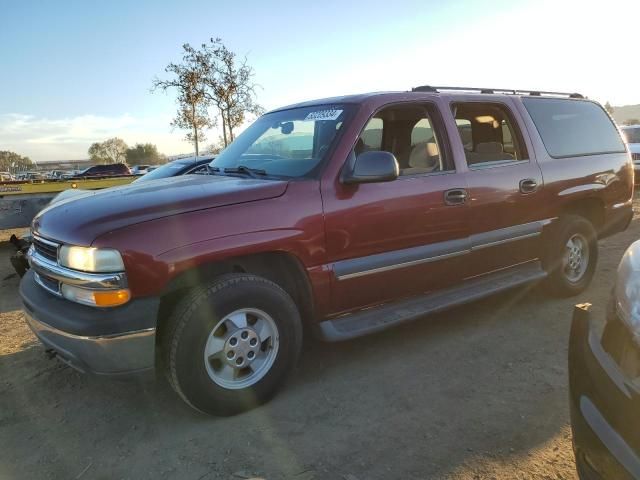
[632, 137]
[6, 177]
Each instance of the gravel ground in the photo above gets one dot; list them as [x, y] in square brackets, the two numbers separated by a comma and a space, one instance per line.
[479, 392]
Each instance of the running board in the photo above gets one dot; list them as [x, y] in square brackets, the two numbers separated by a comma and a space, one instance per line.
[385, 316]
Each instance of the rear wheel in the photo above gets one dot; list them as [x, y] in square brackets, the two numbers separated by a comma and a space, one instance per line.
[572, 255]
[231, 345]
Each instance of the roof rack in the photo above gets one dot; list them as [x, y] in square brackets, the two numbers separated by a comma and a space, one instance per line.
[510, 91]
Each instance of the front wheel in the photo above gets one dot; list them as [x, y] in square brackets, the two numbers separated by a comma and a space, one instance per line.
[230, 346]
[572, 255]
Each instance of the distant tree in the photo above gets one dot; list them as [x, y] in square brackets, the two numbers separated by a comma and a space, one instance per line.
[110, 151]
[632, 121]
[12, 162]
[217, 147]
[229, 86]
[144, 154]
[609, 108]
[187, 78]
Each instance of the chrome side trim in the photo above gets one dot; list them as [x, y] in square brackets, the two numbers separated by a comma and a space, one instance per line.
[95, 281]
[506, 240]
[403, 265]
[384, 262]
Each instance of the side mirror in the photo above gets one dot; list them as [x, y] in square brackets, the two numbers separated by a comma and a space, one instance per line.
[370, 167]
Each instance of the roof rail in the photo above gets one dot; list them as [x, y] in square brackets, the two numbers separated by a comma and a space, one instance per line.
[510, 91]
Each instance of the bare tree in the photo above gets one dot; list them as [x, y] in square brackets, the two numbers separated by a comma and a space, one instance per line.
[110, 151]
[609, 108]
[229, 86]
[188, 80]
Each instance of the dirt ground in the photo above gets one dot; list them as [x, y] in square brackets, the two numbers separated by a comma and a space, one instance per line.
[479, 392]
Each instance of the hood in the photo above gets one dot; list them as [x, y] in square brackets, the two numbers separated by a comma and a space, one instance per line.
[81, 219]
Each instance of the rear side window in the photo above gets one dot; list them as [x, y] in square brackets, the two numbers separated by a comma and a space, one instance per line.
[572, 128]
[489, 134]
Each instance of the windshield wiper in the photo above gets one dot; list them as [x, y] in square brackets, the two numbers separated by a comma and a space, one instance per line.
[252, 172]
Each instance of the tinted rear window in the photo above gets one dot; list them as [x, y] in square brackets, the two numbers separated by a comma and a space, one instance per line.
[570, 128]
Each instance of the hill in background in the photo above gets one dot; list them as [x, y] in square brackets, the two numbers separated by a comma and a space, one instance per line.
[626, 112]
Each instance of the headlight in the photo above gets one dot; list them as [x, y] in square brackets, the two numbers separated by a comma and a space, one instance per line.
[627, 289]
[90, 259]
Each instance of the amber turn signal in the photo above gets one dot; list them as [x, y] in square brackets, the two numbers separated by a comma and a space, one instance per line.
[111, 298]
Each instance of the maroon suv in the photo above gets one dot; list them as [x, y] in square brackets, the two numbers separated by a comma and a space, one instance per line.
[348, 215]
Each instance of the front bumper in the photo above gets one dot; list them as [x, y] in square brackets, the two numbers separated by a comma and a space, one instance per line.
[108, 341]
[604, 405]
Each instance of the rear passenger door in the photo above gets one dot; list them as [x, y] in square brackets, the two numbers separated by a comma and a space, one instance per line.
[504, 185]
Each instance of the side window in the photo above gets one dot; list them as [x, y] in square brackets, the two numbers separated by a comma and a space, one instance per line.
[408, 132]
[371, 137]
[488, 133]
[572, 128]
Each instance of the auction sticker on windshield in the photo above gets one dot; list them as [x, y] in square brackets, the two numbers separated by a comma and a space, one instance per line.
[330, 114]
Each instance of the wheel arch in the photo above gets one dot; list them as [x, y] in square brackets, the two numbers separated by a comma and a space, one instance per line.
[282, 268]
[590, 208]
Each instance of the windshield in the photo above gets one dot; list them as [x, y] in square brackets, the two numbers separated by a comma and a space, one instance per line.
[631, 135]
[287, 143]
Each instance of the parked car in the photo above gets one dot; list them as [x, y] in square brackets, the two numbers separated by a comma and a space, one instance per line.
[55, 174]
[631, 134]
[139, 169]
[183, 166]
[30, 176]
[350, 215]
[604, 367]
[6, 177]
[109, 170]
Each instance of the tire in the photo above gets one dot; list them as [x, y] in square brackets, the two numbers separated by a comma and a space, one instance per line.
[207, 324]
[563, 279]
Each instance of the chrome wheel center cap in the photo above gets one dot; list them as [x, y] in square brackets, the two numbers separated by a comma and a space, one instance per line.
[241, 348]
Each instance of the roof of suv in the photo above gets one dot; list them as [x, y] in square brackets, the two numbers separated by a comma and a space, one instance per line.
[422, 91]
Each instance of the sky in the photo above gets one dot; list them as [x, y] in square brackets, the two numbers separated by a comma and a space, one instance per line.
[76, 72]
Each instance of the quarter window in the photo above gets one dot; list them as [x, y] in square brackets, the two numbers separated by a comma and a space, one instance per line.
[572, 128]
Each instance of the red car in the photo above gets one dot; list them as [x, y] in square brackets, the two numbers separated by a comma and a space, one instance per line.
[347, 215]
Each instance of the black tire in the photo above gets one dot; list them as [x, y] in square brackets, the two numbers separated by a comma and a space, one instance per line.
[559, 283]
[191, 323]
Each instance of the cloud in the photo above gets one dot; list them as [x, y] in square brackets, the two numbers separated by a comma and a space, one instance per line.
[69, 138]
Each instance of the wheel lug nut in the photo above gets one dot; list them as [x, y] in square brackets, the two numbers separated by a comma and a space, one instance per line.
[250, 355]
[253, 342]
[244, 335]
[233, 342]
[239, 361]
[231, 354]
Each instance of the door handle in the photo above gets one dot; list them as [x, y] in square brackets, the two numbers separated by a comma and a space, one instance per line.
[455, 196]
[528, 185]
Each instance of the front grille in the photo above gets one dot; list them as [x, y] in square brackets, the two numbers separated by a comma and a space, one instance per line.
[48, 283]
[46, 248]
[635, 156]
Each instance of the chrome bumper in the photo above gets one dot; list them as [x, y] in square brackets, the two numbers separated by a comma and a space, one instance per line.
[124, 353]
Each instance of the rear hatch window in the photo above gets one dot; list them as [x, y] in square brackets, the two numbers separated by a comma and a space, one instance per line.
[572, 128]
